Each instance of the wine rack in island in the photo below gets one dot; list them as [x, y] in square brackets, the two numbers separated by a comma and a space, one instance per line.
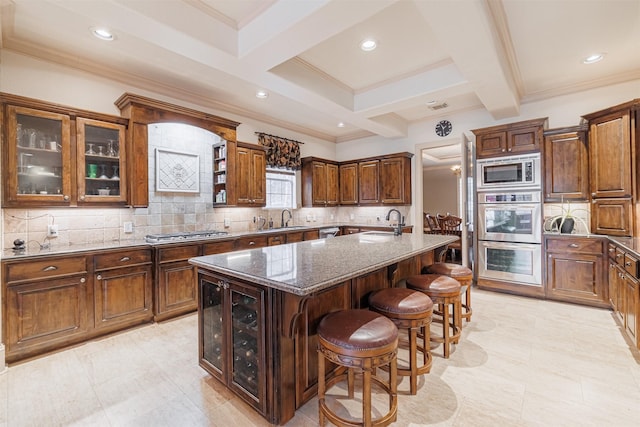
[231, 337]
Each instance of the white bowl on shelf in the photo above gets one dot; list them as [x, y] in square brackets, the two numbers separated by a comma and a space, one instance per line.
[103, 191]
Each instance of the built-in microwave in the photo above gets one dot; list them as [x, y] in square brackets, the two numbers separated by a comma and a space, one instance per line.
[521, 172]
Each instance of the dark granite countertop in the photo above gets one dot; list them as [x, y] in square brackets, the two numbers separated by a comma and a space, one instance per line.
[33, 249]
[307, 267]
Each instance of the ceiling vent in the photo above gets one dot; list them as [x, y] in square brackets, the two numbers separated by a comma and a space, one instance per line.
[439, 106]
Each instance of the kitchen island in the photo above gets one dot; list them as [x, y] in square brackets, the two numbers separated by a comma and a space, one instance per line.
[259, 309]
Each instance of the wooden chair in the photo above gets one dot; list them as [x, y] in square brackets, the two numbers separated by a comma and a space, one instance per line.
[450, 224]
[431, 225]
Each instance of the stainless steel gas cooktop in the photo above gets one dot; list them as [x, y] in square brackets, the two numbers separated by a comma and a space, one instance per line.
[169, 237]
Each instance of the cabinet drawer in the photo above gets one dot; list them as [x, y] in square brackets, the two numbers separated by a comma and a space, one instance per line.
[178, 253]
[573, 245]
[619, 256]
[40, 269]
[218, 247]
[631, 265]
[121, 259]
[251, 242]
[276, 240]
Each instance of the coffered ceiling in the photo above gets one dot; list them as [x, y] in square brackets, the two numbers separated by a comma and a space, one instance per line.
[467, 54]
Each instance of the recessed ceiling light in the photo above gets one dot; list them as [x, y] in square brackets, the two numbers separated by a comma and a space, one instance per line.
[592, 59]
[341, 124]
[368, 45]
[262, 94]
[102, 33]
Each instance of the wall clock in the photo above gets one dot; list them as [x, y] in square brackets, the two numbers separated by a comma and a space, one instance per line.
[443, 128]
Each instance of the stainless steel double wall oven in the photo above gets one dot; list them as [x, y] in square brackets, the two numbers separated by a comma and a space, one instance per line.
[510, 219]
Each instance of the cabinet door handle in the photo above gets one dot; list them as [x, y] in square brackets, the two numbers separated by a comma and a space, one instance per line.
[82, 280]
[252, 243]
[611, 250]
[593, 194]
[125, 259]
[50, 268]
[81, 197]
[99, 277]
[223, 284]
[503, 150]
[66, 197]
[628, 264]
[573, 245]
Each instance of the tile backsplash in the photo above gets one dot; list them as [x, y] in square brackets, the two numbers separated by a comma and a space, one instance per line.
[169, 212]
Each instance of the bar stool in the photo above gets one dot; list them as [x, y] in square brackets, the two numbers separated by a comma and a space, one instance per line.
[360, 341]
[445, 292]
[410, 310]
[462, 274]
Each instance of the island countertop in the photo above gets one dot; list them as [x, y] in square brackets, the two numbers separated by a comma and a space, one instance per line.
[305, 268]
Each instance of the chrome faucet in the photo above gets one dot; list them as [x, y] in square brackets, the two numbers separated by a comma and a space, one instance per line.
[282, 223]
[398, 230]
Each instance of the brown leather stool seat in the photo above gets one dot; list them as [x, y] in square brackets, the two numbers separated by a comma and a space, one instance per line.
[463, 275]
[445, 292]
[410, 310]
[358, 341]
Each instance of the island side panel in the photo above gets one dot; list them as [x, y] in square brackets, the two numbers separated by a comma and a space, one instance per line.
[298, 347]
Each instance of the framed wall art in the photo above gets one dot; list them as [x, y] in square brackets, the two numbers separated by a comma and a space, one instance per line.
[177, 171]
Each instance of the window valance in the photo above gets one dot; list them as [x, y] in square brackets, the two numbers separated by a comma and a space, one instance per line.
[281, 152]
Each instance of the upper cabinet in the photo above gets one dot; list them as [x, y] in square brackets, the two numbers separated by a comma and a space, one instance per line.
[319, 182]
[101, 163]
[41, 167]
[510, 139]
[348, 182]
[614, 135]
[566, 164]
[395, 179]
[251, 178]
[384, 180]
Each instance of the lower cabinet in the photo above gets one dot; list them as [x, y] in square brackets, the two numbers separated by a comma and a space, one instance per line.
[231, 332]
[122, 289]
[175, 282]
[624, 289]
[43, 315]
[575, 270]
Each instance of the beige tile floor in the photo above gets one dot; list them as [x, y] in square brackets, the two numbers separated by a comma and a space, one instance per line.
[521, 362]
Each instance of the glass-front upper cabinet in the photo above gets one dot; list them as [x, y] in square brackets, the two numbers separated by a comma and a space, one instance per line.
[37, 158]
[100, 161]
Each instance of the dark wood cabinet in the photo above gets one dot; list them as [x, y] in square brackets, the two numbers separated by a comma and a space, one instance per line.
[232, 328]
[510, 139]
[613, 145]
[566, 164]
[319, 182]
[122, 288]
[175, 281]
[349, 184]
[625, 290]
[41, 168]
[395, 180]
[575, 270]
[47, 305]
[251, 178]
[369, 182]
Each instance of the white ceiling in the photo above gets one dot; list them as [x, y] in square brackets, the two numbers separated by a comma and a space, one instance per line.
[471, 54]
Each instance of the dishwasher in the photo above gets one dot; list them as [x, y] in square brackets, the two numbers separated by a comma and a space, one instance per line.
[328, 232]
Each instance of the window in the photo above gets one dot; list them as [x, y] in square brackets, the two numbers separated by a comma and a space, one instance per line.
[281, 189]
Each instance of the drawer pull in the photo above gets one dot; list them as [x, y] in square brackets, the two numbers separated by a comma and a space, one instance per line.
[82, 280]
[611, 250]
[628, 263]
[99, 277]
[618, 255]
[252, 243]
[573, 245]
[50, 268]
[125, 259]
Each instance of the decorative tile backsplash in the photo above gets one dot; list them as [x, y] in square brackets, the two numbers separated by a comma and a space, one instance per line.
[169, 212]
